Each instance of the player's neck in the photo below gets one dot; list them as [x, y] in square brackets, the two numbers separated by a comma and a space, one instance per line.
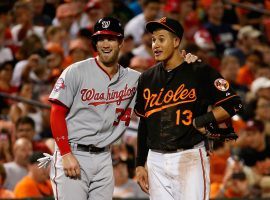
[174, 61]
[111, 69]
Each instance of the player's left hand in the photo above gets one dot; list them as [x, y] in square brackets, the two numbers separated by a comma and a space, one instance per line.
[190, 58]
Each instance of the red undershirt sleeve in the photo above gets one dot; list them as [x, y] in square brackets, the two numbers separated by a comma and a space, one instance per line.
[59, 127]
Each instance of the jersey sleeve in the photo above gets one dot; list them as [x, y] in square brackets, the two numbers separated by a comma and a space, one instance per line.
[142, 148]
[65, 87]
[218, 89]
[139, 104]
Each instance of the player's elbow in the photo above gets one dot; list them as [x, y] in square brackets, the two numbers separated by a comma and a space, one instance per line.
[233, 106]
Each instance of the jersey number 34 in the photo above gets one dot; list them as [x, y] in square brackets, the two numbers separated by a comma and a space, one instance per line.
[122, 115]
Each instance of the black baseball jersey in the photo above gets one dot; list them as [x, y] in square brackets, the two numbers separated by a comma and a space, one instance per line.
[169, 101]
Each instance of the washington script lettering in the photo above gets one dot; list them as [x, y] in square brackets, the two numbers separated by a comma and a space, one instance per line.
[162, 101]
[112, 96]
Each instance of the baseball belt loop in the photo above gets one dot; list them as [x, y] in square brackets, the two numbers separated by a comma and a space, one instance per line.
[74, 146]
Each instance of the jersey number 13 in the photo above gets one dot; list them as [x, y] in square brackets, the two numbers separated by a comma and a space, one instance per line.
[184, 117]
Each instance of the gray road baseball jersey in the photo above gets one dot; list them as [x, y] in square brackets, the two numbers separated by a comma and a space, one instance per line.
[99, 107]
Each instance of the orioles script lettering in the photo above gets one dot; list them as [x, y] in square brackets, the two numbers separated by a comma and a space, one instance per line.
[171, 98]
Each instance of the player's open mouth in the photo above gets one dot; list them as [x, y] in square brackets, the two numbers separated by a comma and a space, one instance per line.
[157, 52]
[106, 51]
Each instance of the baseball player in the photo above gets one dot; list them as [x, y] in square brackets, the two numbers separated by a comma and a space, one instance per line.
[92, 102]
[172, 101]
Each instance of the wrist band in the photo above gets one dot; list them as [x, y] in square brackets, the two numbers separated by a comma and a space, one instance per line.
[205, 119]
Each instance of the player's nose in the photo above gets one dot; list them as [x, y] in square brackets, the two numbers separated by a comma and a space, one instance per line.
[155, 45]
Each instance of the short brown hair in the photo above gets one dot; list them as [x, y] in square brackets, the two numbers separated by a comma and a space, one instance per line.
[146, 2]
[25, 120]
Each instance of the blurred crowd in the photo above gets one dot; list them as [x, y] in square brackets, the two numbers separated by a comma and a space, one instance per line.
[40, 38]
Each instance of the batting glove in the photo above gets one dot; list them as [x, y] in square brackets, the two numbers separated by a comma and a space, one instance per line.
[45, 161]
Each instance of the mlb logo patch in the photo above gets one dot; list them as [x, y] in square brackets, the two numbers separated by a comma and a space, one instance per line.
[60, 84]
[221, 84]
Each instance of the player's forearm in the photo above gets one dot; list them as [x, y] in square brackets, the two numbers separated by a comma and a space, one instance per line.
[220, 114]
[141, 157]
[142, 149]
[59, 127]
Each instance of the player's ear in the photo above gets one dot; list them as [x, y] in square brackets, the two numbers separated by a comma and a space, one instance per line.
[121, 42]
[176, 42]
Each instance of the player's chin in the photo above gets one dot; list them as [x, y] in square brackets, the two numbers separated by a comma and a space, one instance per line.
[159, 58]
[107, 58]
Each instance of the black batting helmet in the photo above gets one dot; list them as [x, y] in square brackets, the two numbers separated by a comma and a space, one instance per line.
[108, 26]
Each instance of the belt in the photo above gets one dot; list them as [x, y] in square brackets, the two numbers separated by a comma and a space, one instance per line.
[91, 148]
[170, 151]
[196, 146]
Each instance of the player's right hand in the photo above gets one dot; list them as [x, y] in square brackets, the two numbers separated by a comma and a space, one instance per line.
[71, 166]
[190, 58]
[142, 178]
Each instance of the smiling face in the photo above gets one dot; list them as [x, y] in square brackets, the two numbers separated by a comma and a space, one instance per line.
[164, 44]
[108, 48]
